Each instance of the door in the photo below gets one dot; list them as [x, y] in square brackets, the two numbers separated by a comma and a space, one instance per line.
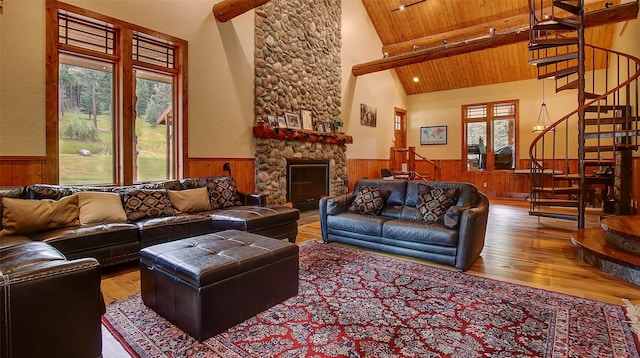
[399, 137]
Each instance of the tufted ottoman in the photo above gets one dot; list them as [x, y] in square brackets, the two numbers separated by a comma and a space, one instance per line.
[209, 283]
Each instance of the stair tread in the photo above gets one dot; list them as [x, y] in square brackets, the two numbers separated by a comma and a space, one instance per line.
[560, 73]
[610, 120]
[607, 108]
[599, 162]
[554, 59]
[556, 25]
[548, 43]
[558, 190]
[554, 202]
[554, 215]
[568, 5]
[611, 134]
[598, 148]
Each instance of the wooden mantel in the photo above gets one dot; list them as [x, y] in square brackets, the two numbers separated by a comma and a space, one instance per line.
[267, 132]
[226, 10]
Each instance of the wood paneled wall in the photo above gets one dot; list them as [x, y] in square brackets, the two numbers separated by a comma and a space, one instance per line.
[243, 170]
[22, 171]
[15, 170]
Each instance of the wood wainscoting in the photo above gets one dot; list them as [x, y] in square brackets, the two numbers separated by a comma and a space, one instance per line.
[242, 170]
[22, 170]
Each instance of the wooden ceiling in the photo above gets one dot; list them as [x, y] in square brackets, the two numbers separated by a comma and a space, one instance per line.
[428, 23]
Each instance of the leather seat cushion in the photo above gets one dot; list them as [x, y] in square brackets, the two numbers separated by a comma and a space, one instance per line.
[420, 231]
[362, 224]
[159, 230]
[84, 237]
[252, 218]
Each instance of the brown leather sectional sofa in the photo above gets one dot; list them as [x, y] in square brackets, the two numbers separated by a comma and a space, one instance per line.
[119, 242]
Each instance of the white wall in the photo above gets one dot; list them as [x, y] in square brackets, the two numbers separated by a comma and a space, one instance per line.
[382, 90]
[221, 72]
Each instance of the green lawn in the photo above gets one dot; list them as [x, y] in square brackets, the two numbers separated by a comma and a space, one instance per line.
[98, 168]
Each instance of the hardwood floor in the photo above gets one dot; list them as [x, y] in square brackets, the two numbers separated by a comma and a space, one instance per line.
[517, 249]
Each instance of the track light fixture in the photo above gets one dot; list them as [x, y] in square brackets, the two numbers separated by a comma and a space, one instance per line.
[403, 7]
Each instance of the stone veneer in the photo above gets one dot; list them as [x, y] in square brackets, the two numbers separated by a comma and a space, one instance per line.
[271, 165]
[297, 66]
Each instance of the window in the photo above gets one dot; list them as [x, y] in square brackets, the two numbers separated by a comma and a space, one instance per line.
[115, 103]
[490, 135]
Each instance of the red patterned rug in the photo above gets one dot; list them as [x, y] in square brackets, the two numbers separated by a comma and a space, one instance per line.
[360, 304]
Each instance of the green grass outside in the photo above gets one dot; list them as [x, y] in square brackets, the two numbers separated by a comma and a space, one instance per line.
[98, 168]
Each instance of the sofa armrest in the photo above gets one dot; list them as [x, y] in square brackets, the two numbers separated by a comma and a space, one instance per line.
[453, 215]
[62, 296]
[471, 234]
[253, 199]
[332, 205]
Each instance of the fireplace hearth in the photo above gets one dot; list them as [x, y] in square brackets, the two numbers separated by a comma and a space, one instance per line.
[307, 182]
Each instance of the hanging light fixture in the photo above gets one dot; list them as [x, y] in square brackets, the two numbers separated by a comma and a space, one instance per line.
[543, 117]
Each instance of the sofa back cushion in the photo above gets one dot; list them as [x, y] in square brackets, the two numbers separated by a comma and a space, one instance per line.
[100, 208]
[397, 191]
[223, 191]
[17, 192]
[147, 203]
[467, 196]
[24, 216]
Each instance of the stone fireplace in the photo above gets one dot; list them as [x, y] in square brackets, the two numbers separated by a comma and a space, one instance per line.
[272, 156]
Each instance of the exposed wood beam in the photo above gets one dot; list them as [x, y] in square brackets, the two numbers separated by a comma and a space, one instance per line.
[226, 10]
[618, 13]
[500, 25]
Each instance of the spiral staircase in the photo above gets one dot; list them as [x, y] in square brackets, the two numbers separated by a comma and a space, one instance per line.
[602, 132]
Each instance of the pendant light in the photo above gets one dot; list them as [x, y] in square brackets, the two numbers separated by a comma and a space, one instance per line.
[543, 117]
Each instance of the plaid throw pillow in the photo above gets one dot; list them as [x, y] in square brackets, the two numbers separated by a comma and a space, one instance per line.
[223, 193]
[369, 201]
[433, 203]
[145, 203]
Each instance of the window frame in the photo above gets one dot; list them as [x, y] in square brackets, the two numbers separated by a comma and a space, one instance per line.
[489, 120]
[124, 96]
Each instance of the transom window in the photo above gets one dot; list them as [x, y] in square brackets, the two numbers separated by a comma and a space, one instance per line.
[117, 112]
[490, 135]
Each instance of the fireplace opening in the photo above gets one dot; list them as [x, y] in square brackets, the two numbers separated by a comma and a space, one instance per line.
[307, 182]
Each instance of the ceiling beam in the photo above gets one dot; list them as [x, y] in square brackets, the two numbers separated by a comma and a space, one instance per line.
[613, 14]
[500, 25]
[226, 10]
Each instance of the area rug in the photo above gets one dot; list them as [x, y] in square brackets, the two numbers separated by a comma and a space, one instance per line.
[354, 303]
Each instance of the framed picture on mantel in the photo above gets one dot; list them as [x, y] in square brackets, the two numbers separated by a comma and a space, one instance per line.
[307, 119]
[293, 120]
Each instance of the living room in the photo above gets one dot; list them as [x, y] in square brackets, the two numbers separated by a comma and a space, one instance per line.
[222, 73]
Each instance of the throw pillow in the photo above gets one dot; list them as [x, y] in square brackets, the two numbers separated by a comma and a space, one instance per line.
[433, 204]
[190, 200]
[223, 192]
[98, 208]
[143, 203]
[26, 216]
[369, 201]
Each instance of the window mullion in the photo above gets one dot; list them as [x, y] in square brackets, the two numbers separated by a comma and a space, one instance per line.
[126, 121]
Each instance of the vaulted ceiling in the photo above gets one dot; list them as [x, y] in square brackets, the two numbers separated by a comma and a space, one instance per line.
[440, 25]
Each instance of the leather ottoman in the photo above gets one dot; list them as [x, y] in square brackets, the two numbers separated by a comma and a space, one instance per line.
[209, 283]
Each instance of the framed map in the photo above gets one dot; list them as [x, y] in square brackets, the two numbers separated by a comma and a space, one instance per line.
[433, 135]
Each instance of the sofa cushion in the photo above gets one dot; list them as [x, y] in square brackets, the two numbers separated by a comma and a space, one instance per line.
[434, 203]
[357, 223]
[420, 232]
[24, 216]
[190, 200]
[100, 208]
[252, 218]
[89, 237]
[144, 203]
[223, 193]
[369, 201]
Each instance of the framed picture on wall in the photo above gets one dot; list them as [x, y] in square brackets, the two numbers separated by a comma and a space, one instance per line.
[433, 135]
[281, 122]
[307, 119]
[293, 120]
[368, 115]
